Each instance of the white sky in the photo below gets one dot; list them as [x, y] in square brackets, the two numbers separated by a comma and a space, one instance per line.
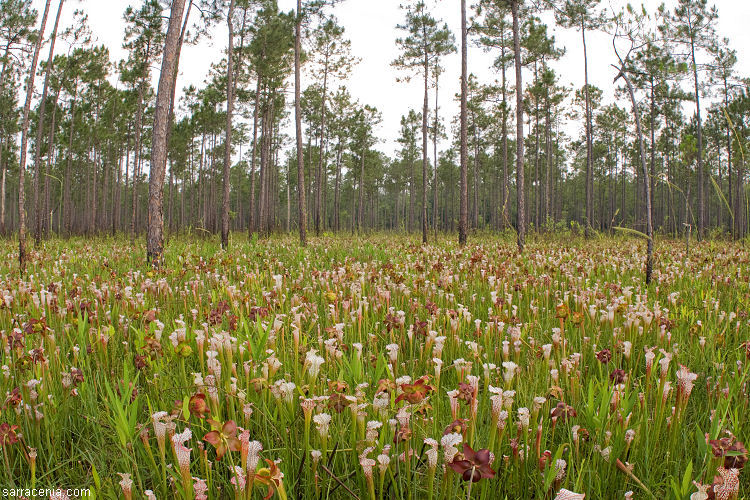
[371, 26]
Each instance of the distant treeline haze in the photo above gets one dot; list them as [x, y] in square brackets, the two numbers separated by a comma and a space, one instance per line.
[91, 133]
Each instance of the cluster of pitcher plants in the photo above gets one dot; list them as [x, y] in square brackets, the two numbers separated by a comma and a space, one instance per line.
[377, 369]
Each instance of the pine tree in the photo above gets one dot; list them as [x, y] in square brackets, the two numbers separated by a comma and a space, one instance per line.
[155, 237]
[24, 143]
[425, 42]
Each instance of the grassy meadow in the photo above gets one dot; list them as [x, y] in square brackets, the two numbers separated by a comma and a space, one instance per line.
[375, 368]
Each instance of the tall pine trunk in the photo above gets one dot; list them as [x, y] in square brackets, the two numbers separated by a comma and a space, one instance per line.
[644, 169]
[251, 223]
[589, 145]
[361, 185]
[337, 193]
[463, 218]
[67, 202]
[38, 205]
[136, 161]
[47, 222]
[298, 127]
[228, 139]
[6, 52]
[520, 195]
[425, 111]
[699, 126]
[506, 194]
[155, 236]
[321, 157]
[435, 154]
[24, 144]
[548, 167]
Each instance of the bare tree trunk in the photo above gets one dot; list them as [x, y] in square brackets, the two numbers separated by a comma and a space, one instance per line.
[475, 180]
[699, 126]
[24, 144]
[412, 181]
[171, 198]
[435, 154]
[325, 224]
[155, 237]
[548, 173]
[2, 193]
[103, 198]
[354, 204]
[95, 165]
[652, 118]
[182, 204]
[337, 193]
[732, 204]
[642, 152]
[116, 196]
[67, 202]
[47, 223]
[589, 145]
[211, 208]
[425, 110]
[298, 127]
[251, 224]
[537, 141]
[506, 193]
[127, 173]
[136, 160]
[228, 140]
[183, 31]
[2, 137]
[520, 201]
[361, 185]
[263, 172]
[319, 175]
[39, 216]
[463, 220]
[742, 203]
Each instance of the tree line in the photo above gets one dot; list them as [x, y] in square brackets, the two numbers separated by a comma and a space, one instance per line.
[88, 146]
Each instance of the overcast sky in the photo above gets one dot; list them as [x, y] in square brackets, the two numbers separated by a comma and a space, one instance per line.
[371, 27]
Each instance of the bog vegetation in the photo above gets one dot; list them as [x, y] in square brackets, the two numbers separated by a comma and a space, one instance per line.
[586, 336]
[377, 368]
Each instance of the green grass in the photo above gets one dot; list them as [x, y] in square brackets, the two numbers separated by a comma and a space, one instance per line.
[262, 307]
